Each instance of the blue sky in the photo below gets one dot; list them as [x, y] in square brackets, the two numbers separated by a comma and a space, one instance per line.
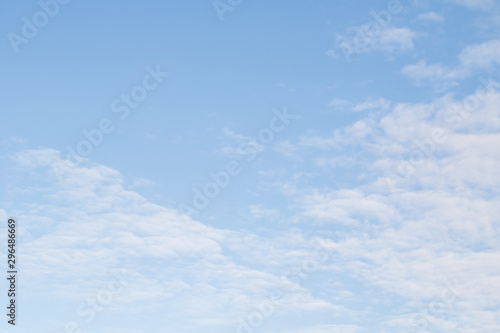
[246, 166]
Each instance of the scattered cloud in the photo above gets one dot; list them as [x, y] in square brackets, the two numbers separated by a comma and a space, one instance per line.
[372, 104]
[328, 329]
[259, 212]
[96, 225]
[421, 72]
[364, 39]
[474, 58]
[475, 4]
[438, 229]
[339, 103]
[285, 147]
[431, 16]
[142, 182]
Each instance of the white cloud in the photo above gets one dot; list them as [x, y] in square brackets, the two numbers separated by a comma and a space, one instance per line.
[365, 39]
[236, 151]
[328, 329]
[369, 104]
[317, 142]
[230, 134]
[394, 39]
[259, 211]
[13, 140]
[331, 53]
[471, 59]
[337, 206]
[333, 162]
[479, 56]
[372, 104]
[440, 227]
[475, 4]
[86, 224]
[440, 224]
[421, 72]
[431, 16]
[142, 182]
[339, 103]
[286, 148]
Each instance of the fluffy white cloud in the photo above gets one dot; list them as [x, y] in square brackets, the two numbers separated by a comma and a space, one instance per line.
[421, 71]
[431, 241]
[479, 56]
[88, 225]
[474, 58]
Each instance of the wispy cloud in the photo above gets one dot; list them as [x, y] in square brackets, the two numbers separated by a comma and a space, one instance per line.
[96, 225]
[431, 16]
[440, 228]
[339, 103]
[475, 4]
[474, 58]
[364, 39]
[372, 104]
